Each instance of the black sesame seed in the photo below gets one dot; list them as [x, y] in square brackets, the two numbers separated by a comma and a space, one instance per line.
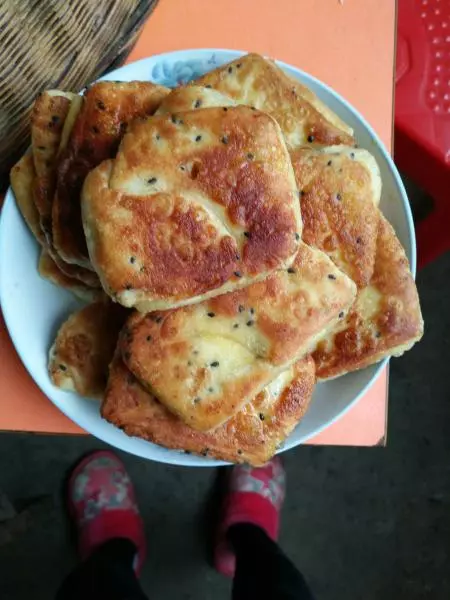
[235, 326]
[187, 452]
[158, 137]
[230, 69]
[95, 129]
[189, 363]
[152, 180]
[41, 147]
[182, 168]
[210, 390]
[132, 260]
[205, 452]
[250, 156]
[241, 308]
[239, 65]
[301, 193]
[250, 323]
[63, 367]
[238, 274]
[126, 355]
[174, 119]
[197, 399]
[378, 334]
[329, 163]
[291, 270]
[310, 138]
[261, 416]
[197, 104]
[247, 234]
[331, 276]
[252, 311]
[341, 315]
[224, 139]
[101, 105]
[253, 107]
[198, 138]
[358, 240]
[211, 314]
[238, 257]
[225, 108]
[215, 363]
[239, 451]
[352, 155]
[156, 318]
[208, 86]
[149, 338]
[128, 286]
[338, 197]
[55, 118]
[297, 236]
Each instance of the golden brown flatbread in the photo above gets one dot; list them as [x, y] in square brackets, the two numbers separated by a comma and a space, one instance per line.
[72, 277]
[84, 347]
[257, 81]
[48, 269]
[340, 189]
[107, 109]
[385, 320]
[194, 205]
[251, 436]
[47, 121]
[207, 361]
[22, 177]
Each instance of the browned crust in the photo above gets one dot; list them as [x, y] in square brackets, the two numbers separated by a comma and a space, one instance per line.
[84, 347]
[22, 177]
[48, 269]
[107, 109]
[395, 325]
[338, 208]
[174, 217]
[206, 361]
[251, 436]
[257, 81]
[47, 121]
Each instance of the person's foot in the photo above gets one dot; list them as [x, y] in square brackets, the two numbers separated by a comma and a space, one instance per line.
[102, 503]
[254, 495]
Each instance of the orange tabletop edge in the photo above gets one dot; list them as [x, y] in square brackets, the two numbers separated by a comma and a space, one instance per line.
[348, 44]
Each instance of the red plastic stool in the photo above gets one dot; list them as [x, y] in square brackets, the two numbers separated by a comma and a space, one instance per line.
[422, 114]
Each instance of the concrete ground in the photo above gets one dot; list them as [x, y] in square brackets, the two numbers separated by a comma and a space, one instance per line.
[360, 523]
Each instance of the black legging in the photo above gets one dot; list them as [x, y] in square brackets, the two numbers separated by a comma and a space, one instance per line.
[262, 571]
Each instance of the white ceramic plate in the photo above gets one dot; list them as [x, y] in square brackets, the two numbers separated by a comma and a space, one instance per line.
[34, 309]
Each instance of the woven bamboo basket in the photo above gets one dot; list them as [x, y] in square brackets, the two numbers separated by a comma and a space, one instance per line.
[62, 44]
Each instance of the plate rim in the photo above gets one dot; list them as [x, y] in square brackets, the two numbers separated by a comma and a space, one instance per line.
[175, 457]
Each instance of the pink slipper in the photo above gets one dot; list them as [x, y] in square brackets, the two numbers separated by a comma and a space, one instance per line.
[102, 503]
[254, 495]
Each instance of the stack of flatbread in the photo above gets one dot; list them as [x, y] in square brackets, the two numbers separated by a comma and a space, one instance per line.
[230, 234]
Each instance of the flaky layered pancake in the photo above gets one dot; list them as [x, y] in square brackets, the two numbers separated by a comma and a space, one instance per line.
[84, 347]
[207, 361]
[385, 320]
[194, 205]
[340, 191]
[253, 435]
[107, 109]
[257, 81]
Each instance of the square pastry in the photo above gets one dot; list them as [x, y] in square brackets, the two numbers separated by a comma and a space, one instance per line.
[194, 205]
